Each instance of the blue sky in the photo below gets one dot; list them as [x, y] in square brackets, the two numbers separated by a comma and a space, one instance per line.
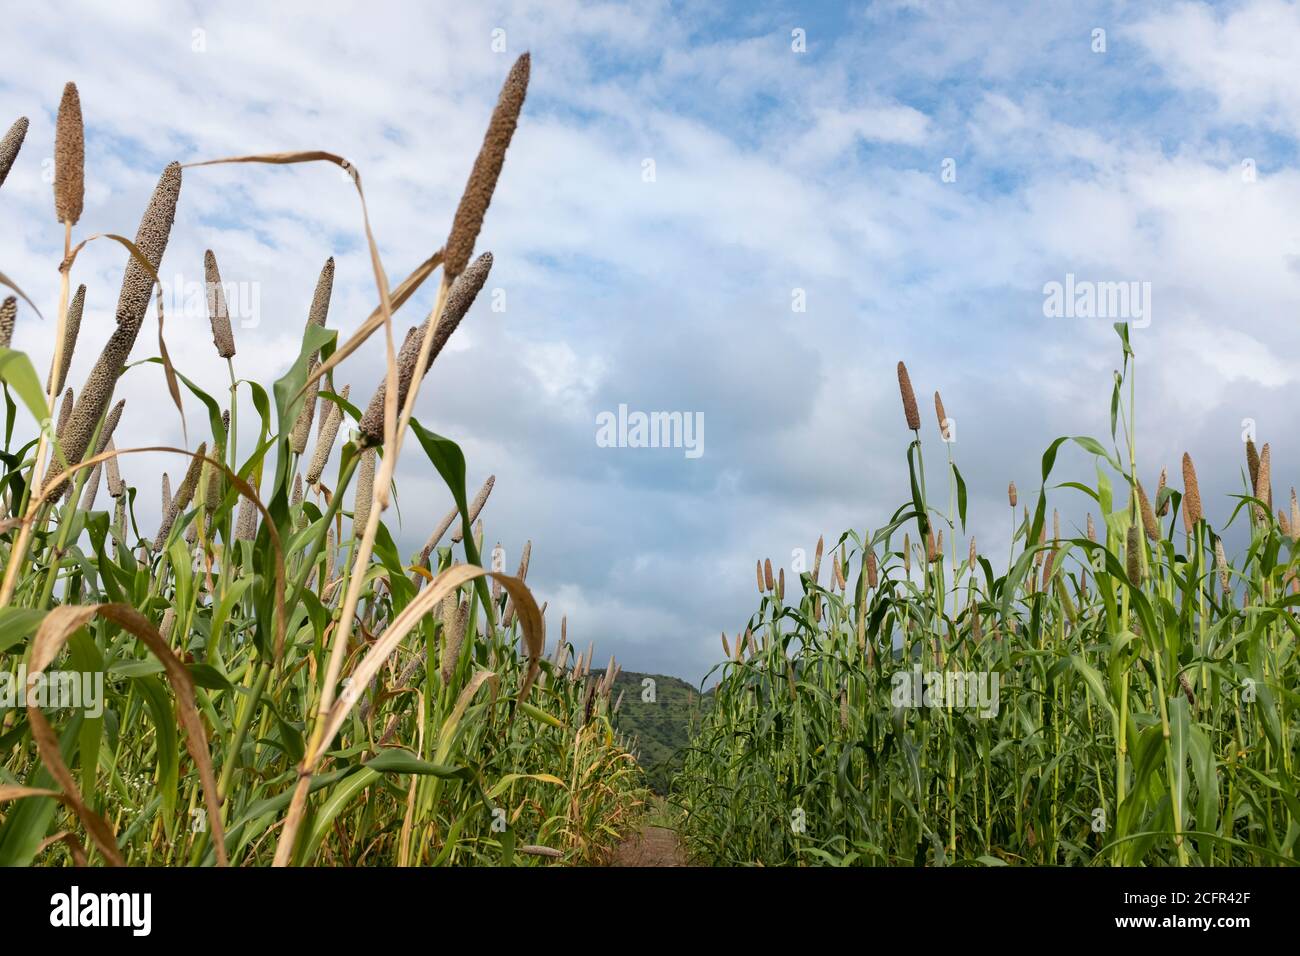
[775, 171]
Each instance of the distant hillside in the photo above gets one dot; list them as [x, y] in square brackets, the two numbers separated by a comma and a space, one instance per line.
[659, 728]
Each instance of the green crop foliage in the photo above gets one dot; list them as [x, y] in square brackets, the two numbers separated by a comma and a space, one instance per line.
[1146, 687]
[278, 684]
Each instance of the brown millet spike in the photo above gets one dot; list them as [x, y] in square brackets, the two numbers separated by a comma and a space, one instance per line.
[1264, 482]
[110, 424]
[76, 429]
[246, 520]
[1252, 462]
[181, 500]
[9, 146]
[463, 292]
[219, 315]
[1187, 689]
[483, 176]
[92, 488]
[455, 621]
[105, 436]
[910, 411]
[325, 437]
[522, 573]
[1192, 512]
[151, 239]
[302, 425]
[365, 492]
[1011, 493]
[1133, 541]
[1149, 521]
[8, 317]
[69, 158]
[320, 304]
[509, 616]
[73, 326]
[475, 509]
[941, 415]
[320, 300]
[116, 487]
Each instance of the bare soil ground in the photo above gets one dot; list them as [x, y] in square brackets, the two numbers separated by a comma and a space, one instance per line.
[653, 846]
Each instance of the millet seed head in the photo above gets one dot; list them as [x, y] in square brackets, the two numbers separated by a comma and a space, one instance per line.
[71, 329]
[476, 507]
[482, 182]
[151, 239]
[320, 300]
[69, 158]
[459, 299]
[325, 437]
[1149, 522]
[455, 624]
[184, 494]
[316, 315]
[1192, 512]
[1133, 541]
[116, 487]
[910, 410]
[219, 315]
[9, 146]
[302, 425]
[8, 318]
[246, 519]
[1264, 479]
[365, 492]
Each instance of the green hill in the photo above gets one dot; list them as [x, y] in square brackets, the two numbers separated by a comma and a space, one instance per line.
[656, 718]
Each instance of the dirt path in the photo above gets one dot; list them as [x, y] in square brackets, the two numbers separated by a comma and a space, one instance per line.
[653, 846]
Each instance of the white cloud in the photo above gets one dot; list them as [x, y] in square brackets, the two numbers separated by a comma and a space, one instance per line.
[1244, 58]
[772, 173]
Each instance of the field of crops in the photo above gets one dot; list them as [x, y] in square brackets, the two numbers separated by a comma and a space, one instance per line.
[264, 678]
[1124, 694]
